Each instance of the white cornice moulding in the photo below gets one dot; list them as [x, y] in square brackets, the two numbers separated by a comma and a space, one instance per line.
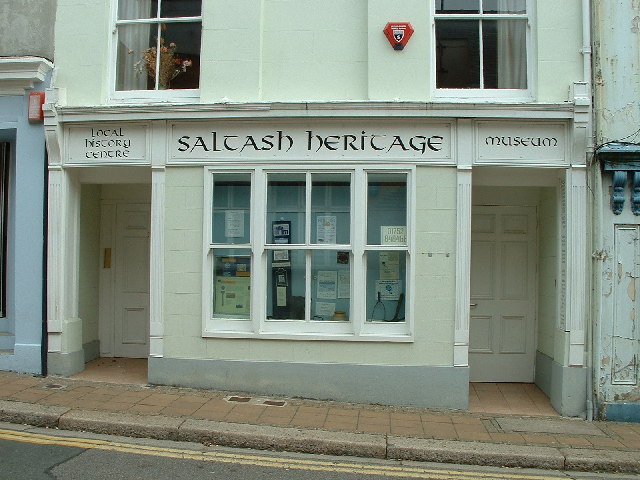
[18, 74]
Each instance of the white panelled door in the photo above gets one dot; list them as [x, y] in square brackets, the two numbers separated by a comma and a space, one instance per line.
[131, 291]
[503, 294]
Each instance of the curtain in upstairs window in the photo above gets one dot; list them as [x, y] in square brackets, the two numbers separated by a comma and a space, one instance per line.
[132, 41]
[511, 47]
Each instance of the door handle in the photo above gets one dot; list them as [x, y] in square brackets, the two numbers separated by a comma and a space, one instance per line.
[473, 304]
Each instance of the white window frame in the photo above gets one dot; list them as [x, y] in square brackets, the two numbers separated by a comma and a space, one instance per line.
[146, 96]
[257, 326]
[494, 94]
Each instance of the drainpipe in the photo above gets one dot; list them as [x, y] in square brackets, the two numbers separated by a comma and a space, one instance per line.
[587, 78]
[44, 343]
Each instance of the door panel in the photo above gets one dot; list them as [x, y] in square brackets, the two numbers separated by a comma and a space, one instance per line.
[503, 294]
[131, 291]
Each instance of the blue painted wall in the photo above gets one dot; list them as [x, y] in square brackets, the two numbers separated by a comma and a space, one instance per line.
[21, 328]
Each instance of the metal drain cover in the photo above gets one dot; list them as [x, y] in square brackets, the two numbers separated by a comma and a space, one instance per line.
[55, 386]
[256, 401]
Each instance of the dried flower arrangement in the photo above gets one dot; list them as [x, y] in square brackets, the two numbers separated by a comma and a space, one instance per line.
[170, 65]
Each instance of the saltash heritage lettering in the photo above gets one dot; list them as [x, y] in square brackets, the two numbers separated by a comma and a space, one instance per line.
[522, 141]
[280, 141]
[107, 143]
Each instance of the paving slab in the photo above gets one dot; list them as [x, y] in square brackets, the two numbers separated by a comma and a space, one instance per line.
[31, 413]
[264, 437]
[543, 425]
[148, 426]
[474, 453]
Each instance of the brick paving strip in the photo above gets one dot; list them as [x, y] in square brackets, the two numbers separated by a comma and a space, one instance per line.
[235, 419]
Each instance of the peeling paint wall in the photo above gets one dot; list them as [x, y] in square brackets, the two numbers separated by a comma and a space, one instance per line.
[27, 28]
[616, 68]
[616, 42]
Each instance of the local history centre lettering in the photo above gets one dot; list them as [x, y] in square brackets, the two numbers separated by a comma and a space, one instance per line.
[313, 142]
[107, 143]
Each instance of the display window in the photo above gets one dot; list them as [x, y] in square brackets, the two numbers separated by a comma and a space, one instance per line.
[315, 253]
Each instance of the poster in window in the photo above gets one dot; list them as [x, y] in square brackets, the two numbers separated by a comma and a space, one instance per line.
[234, 223]
[326, 229]
[388, 289]
[393, 235]
[389, 265]
[327, 284]
[344, 284]
[233, 295]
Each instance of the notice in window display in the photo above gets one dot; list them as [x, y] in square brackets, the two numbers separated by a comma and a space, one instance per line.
[344, 284]
[326, 229]
[389, 265]
[388, 289]
[393, 235]
[234, 223]
[325, 310]
[233, 295]
[281, 296]
[327, 284]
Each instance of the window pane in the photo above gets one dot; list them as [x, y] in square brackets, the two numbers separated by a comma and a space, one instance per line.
[331, 295]
[386, 279]
[232, 283]
[179, 56]
[180, 8]
[231, 221]
[330, 208]
[457, 54]
[457, 6]
[286, 202]
[504, 53]
[387, 209]
[136, 9]
[286, 284]
[504, 6]
[136, 62]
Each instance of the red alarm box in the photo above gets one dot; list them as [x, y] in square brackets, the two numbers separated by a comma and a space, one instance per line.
[36, 100]
[398, 34]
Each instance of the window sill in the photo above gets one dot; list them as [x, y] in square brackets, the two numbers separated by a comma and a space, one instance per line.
[339, 337]
[476, 95]
[155, 96]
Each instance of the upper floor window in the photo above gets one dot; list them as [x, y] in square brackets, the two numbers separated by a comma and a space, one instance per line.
[481, 44]
[158, 44]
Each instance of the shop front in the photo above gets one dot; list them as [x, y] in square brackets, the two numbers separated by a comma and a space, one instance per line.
[388, 255]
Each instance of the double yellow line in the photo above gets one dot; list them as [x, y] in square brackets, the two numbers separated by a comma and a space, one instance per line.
[400, 471]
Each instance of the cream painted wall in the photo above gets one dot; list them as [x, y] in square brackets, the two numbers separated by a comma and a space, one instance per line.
[548, 236]
[88, 294]
[82, 43]
[435, 232]
[301, 50]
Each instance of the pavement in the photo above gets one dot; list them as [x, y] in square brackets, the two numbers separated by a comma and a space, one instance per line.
[320, 427]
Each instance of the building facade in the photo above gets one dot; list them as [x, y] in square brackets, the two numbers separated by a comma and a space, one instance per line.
[616, 182]
[26, 55]
[275, 197]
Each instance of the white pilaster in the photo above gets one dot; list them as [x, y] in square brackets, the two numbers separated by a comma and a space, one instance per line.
[576, 263]
[158, 200]
[463, 244]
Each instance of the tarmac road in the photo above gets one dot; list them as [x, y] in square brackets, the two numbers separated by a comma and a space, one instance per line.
[34, 454]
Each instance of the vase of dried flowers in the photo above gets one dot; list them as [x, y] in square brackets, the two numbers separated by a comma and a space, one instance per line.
[170, 65]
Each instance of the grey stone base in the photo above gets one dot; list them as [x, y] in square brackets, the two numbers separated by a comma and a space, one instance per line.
[91, 350]
[401, 385]
[65, 364]
[620, 412]
[566, 387]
